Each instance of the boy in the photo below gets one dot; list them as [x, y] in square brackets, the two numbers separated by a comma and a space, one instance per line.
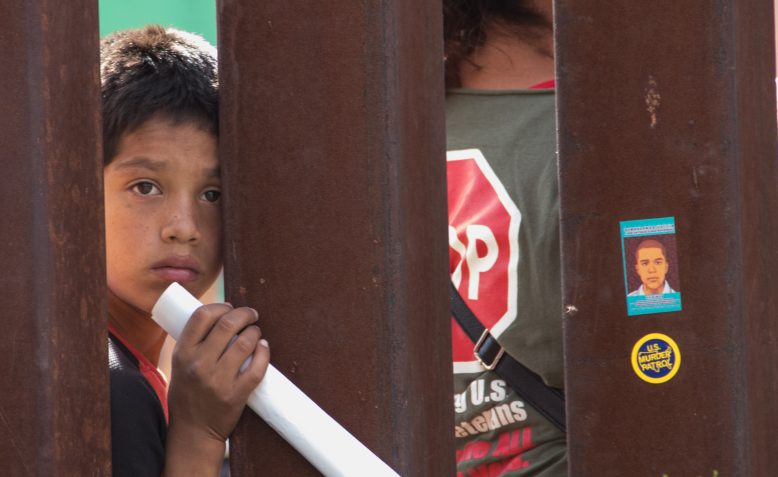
[502, 183]
[163, 225]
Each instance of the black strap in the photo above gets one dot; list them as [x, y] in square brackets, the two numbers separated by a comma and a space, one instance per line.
[548, 401]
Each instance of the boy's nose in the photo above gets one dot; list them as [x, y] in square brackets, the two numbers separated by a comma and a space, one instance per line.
[182, 226]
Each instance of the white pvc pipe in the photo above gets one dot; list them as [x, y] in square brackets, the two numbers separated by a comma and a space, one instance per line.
[317, 436]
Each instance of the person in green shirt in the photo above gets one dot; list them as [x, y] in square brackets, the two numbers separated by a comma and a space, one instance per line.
[504, 228]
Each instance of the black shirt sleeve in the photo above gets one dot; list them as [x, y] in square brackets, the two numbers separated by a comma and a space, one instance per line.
[138, 426]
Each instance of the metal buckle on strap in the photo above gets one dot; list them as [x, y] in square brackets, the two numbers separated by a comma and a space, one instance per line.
[496, 359]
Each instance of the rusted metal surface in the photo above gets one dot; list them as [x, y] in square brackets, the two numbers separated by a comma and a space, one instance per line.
[669, 111]
[54, 400]
[334, 167]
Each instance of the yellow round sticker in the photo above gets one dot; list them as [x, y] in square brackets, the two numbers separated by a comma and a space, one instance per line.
[656, 358]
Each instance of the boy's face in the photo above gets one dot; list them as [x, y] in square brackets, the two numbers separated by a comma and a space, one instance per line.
[162, 212]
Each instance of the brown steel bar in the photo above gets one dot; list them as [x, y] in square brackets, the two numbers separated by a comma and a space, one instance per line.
[667, 109]
[333, 157]
[54, 399]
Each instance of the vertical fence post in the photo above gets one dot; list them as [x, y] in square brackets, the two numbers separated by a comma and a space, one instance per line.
[668, 111]
[333, 157]
[54, 410]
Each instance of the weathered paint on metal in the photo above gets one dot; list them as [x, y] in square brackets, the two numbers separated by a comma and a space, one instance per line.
[333, 156]
[54, 409]
[668, 110]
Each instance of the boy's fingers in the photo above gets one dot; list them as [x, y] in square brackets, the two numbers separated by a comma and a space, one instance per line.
[224, 330]
[201, 322]
[253, 374]
[241, 348]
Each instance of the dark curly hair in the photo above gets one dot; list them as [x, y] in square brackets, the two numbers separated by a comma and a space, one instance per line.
[154, 71]
[465, 23]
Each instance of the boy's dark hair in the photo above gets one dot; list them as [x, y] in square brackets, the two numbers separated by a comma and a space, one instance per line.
[152, 72]
[465, 23]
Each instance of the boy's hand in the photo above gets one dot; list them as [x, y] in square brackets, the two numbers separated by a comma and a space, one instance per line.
[208, 391]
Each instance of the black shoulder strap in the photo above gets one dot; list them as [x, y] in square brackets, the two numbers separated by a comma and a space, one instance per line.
[548, 401]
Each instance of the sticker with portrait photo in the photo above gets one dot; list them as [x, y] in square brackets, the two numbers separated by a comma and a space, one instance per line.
[651, 277]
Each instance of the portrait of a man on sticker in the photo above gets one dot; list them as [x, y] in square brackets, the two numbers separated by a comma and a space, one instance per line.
[652, 265]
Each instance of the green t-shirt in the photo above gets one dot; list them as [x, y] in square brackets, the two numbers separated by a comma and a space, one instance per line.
[504, 258]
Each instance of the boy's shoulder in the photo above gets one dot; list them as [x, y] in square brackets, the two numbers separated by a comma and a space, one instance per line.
[138, 423]
[131, 377]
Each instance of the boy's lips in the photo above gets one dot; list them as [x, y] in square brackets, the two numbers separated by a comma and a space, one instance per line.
[176, 269]
[173, 274]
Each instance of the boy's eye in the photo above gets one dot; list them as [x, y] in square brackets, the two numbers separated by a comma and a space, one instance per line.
[212, 195]
[146, 188]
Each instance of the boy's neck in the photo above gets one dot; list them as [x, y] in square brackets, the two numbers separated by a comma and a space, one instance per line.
[506, 61]
[136, 327]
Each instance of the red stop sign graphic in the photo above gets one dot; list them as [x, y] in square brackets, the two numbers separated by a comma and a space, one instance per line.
[483, 245]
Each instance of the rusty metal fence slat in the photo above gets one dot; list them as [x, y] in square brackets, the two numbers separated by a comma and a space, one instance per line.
[52, 288]
[668, 112]
[332, 151]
